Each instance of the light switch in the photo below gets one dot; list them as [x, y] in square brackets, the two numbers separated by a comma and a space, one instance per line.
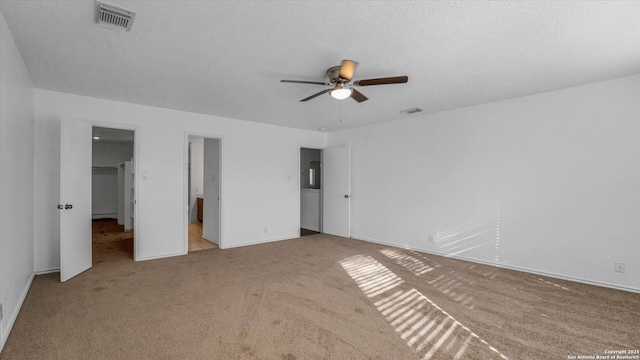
[145, 175]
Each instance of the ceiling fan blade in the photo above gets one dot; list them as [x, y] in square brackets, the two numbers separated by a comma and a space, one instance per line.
[347, 67]
[303, 82]
[357, 96]
[382, 81]
[316, 95]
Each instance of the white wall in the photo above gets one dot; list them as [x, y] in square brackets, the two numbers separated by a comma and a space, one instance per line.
[16, 180]
[197, 168]
[548, 183]
[249, 203]
[111, 153]
[104, 192]
[47, 192]
[211, 192]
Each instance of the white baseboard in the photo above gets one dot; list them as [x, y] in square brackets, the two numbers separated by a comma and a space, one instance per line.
[14, 314]
[104, 216]
[260, 242]
[211, 241]
[510, 267]
[42, 272]
[161, 256]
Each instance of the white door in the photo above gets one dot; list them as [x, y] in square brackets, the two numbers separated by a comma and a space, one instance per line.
[336, 191]
[211, 191]
[75, 197]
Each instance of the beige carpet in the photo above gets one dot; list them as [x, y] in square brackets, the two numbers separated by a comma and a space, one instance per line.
[319, 297]
[110, 241]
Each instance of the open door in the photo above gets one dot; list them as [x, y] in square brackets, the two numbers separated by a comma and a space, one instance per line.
[336, 199]
[75, 197]
[202, 204]
[211, 191]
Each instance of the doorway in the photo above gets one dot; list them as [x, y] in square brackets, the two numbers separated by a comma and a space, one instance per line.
[310, 191]
[112, 194]
[203, 169]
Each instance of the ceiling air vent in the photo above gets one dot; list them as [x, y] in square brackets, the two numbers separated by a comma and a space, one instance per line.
[114, 17]
[411, 111]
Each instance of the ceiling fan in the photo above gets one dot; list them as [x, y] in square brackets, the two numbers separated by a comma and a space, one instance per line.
[339, 78]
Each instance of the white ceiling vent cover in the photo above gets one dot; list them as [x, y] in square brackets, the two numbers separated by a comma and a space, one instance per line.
[114, 17]
[411, 111]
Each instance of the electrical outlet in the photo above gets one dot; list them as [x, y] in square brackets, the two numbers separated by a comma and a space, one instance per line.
[430, 238]
[266, 230]
[619, 267]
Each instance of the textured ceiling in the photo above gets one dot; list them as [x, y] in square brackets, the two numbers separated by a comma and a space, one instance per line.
[226, 58]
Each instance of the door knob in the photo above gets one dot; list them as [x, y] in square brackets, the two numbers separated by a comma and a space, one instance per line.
[346, 196]
[68, 206]
[59, 207]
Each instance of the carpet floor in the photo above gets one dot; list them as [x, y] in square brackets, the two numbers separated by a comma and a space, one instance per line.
[317, 297]
[110, 242]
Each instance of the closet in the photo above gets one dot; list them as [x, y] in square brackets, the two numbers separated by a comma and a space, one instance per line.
[111, 152]
[126, 194]
[103, 189]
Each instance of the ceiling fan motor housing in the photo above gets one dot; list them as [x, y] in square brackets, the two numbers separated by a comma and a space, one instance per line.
[334, 75]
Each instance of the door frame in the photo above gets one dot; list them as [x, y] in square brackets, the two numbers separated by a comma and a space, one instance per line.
[136, 178]
[299, 177]
[185, 187]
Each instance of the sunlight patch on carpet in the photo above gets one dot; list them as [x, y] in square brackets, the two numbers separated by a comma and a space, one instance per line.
[550, 283]
[421, 323]
[407, 261]
[372, 277]
[447, 284]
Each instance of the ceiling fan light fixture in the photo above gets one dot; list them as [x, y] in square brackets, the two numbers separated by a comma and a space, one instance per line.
[340, 77]
[340, 92]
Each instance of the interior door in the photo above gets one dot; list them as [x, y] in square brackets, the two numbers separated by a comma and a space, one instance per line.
[211, 190]
[336, 191]
[75, 197]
